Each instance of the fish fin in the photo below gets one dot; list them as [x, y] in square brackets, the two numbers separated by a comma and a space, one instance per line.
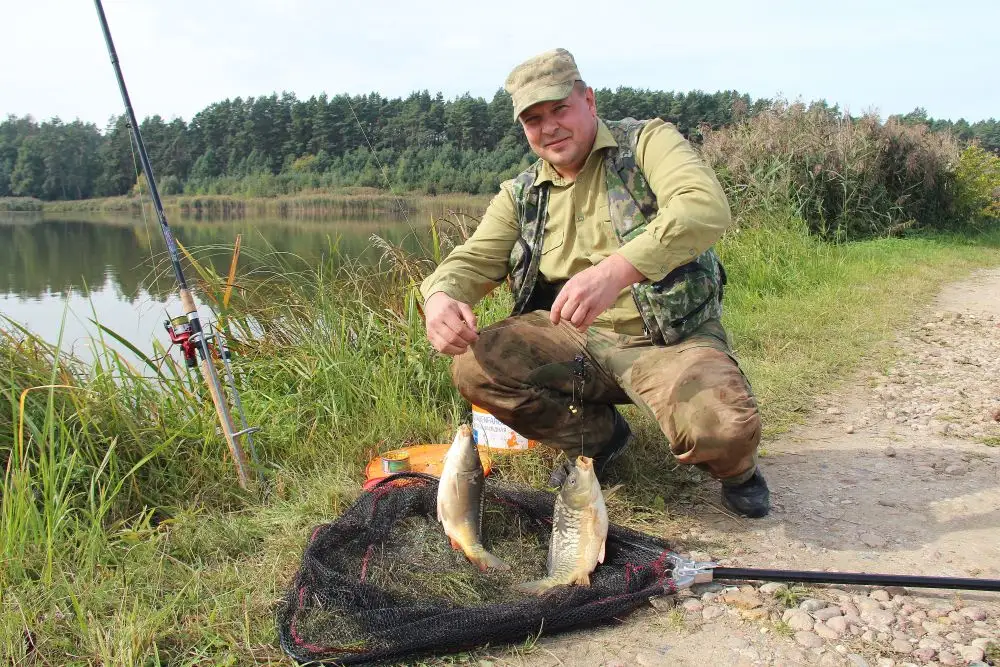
[484, 559]
[455, 545]
[600, 556]
[612, 491]
[536, 587]
[583, 579]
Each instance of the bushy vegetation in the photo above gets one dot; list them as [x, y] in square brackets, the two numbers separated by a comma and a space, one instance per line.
[846, 177]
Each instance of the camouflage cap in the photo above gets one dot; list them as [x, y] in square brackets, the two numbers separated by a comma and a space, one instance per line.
[547, 76]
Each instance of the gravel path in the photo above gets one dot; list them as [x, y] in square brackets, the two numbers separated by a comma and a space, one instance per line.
[897, 472]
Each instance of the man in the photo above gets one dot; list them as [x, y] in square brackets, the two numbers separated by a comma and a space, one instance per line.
[607, 241]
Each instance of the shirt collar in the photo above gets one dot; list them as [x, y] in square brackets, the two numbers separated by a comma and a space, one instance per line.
[604, 139]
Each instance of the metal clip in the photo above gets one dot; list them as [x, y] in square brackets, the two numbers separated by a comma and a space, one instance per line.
[687, 572]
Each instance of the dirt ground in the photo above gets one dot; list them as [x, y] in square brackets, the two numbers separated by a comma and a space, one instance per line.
[897, 472]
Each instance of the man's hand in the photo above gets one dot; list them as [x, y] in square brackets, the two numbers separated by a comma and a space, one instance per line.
[592, 291]
[451, 324]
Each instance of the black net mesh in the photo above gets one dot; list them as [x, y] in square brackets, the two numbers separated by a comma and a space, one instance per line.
[382, 582]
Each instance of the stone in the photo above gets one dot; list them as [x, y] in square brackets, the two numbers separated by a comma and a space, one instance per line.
[692, 605]
[971, 653]
[954, 637]
[812, 640]
[924, 654]
[838, 624]
[824, 631]
[857, 660]
[826, 613]
[901, 646]
[973, 613]
[878, 619]
[773, 587]
[758, 614]
[742, 600]
[890, 451]
[799, 620]
[933, 628]
[812, 604]
[947, 658]
[880, 595]
[931, 643]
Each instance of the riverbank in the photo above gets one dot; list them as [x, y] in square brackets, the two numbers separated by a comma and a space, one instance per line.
[347, 203]
[124, 539]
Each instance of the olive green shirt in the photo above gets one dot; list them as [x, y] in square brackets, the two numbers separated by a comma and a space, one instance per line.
[692, 215]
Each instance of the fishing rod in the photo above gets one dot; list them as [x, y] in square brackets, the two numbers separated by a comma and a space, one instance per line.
[194, 330]
[686, 572]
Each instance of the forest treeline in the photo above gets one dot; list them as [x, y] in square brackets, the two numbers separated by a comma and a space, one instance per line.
[278, 144]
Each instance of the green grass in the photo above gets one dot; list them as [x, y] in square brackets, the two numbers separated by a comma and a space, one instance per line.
[125, 540]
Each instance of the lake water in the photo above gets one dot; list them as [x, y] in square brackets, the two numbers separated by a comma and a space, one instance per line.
[58, 275]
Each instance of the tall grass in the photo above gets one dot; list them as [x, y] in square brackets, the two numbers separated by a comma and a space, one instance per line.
[847, 178]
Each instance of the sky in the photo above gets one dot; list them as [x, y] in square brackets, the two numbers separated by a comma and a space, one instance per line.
[179, 56]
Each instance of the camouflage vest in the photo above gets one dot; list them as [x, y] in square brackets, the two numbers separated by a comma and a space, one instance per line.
[671, 308]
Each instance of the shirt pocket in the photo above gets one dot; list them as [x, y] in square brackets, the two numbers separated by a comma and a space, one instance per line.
[553, 240]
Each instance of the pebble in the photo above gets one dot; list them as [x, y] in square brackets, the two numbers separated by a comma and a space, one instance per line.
[971, 653]
[692, 605]
[924, 654]
[880, 595]
[812, 604]
[973, 613]
[838, 624]
[773, 587]
[947, 658]
[799, 620]
[825, 631]
[812, 640]
[826, 613]
[901, 646]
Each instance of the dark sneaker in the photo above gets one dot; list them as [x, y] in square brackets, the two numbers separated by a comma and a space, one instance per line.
[618, 443]
[750, 499]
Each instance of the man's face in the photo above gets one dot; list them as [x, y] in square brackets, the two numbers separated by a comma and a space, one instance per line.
[562, 132]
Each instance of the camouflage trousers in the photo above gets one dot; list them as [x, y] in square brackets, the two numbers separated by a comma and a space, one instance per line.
[557, 385]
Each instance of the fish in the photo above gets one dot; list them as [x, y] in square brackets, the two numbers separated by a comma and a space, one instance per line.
[579, 531]
[460, 500]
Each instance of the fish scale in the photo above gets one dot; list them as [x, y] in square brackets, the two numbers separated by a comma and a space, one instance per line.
[579, 530]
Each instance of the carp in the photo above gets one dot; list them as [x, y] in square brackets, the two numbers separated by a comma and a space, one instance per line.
[579, 531]
[460, 500]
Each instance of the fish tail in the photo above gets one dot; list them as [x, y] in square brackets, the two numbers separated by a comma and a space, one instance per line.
[538, 586]
[484, 559]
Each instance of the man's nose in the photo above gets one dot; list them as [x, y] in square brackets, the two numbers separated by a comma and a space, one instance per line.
[549, 125]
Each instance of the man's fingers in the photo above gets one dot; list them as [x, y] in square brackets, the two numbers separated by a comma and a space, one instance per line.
[557, 306]
[581, 318]
[457, 331]
[469, 334]
[448, 343]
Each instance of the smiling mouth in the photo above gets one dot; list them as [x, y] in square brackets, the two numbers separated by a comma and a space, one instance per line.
[558, 142]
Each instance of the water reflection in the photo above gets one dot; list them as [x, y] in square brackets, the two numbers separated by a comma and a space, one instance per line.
[56, 275]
